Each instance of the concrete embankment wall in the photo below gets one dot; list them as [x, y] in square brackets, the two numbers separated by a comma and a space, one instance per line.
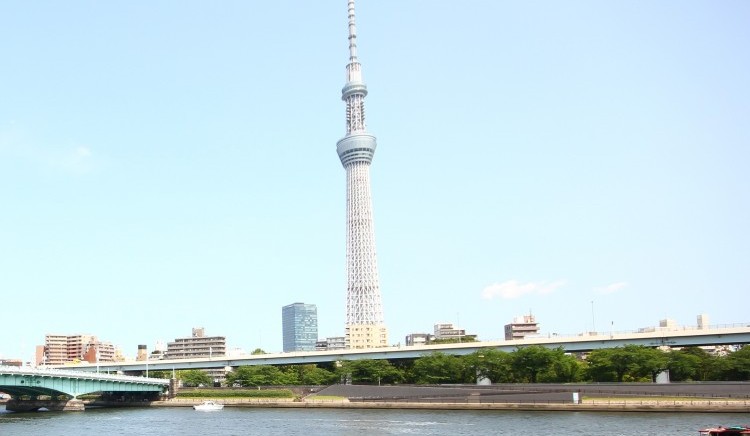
[621, 397]
[633, 406]
[14, 405]
[249, 402]
[601, 407]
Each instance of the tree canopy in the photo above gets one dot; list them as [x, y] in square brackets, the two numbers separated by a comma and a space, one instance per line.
[531, 364]
[194, 377]
[371, 371]
[437, 368]
[260, 375]
[628, 363]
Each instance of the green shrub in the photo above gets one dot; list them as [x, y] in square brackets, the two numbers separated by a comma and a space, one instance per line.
[249, 393]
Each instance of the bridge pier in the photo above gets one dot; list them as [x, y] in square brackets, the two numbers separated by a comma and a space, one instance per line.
[15, 405]
[173, 387]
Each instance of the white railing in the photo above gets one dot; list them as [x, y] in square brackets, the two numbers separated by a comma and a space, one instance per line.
[657, 402]
[610, 334]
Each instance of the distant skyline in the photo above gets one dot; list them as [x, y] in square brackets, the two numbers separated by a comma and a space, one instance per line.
[170, 165]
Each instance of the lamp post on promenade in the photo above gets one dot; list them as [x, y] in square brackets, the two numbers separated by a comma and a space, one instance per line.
[593, 320]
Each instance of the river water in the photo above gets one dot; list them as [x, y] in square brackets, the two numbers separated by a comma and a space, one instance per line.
[313, 422]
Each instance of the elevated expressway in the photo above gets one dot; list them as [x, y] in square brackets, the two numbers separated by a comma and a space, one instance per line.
[682, 337]
[35, 388]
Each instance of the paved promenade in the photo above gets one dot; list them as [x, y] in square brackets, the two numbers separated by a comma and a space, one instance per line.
[541, 392]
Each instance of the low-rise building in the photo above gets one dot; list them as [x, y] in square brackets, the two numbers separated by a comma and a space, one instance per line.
[196, 346]
[446, 330]
[142, 353]
[331, 343]
[521, 327]
[418, 339]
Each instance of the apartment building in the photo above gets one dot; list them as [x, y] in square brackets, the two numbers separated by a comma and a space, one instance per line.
[197, 345]
[521, 327]
[64, 349]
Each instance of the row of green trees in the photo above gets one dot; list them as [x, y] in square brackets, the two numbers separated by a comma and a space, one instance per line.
[533, 364]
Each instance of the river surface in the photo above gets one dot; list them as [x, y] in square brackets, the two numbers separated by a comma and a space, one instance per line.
[313, 422]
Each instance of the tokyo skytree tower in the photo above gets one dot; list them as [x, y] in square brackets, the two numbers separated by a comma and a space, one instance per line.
[364, 312]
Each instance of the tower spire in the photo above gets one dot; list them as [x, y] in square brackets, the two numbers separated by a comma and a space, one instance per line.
[364, 313]
[352, 33]
[354, 91]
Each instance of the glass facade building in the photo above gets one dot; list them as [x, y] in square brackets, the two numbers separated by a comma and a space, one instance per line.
[299, 326]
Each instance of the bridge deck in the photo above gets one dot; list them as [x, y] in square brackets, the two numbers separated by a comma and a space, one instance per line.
[34, 382]
[675, 337]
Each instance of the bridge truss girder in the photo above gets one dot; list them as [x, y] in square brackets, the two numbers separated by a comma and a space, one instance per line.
[36, 385]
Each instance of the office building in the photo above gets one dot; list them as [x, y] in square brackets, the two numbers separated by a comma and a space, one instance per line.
[299, 325]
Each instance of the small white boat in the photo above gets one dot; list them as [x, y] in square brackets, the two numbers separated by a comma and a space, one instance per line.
[208, 405]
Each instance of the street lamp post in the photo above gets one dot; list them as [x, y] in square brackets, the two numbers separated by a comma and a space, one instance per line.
[593, 321]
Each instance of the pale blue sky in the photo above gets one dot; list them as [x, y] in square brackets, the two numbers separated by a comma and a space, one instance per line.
[171, 164]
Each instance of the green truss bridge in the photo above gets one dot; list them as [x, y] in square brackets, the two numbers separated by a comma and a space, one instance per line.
[54, 389]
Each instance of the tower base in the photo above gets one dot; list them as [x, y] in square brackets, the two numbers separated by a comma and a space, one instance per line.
[366, 336]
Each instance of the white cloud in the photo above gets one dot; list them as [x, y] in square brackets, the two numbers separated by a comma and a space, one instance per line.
[75, 160]
[611, 289]
[82, 152]
[16, 143]
[513, 289]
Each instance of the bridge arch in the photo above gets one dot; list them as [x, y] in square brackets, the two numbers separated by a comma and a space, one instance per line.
[27, 384]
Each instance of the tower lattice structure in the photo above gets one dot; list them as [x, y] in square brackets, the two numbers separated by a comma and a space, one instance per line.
[365, 327]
